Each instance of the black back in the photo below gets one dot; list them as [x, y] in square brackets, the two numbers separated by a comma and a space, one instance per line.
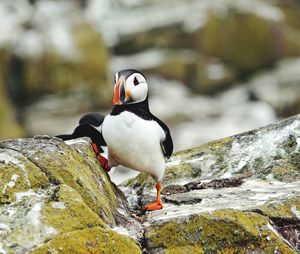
[94, 119]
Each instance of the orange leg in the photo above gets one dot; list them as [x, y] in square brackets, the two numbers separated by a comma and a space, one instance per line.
[157, 204]
[103, 161]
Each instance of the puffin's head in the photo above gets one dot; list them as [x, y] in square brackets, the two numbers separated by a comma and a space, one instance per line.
[130, 87]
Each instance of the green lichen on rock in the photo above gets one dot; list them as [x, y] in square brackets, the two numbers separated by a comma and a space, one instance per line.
[246, 40]
[184, 165]
[18, 174]
[21, 224]
[66, 211]
[203, 80]
[183, 170]
[222, 231]
[57, 199]
[85, 65]
[56, 191]
[289, 209]
[92, 240]
[259, 215]
[64, 165]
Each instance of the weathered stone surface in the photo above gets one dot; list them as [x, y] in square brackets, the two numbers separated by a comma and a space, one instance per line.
[235, 195]
[227, 40]
[55, 49]
[89, 240]
[279, 87]
[58, 194]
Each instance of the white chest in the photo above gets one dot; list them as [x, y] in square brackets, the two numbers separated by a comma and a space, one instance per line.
[134, 142]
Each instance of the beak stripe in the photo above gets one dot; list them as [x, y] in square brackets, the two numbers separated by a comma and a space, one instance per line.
[116, 98]
[122, 94]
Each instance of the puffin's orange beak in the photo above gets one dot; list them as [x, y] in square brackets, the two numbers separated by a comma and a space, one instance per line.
[116, 98]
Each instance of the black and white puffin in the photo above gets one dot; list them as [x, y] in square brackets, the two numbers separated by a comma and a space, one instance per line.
[135, 138]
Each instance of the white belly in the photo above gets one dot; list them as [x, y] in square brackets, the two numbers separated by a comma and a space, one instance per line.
[135, 143]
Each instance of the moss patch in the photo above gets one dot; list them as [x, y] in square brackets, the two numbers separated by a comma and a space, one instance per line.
[93, 240]
[286, 209]
[224, 231]
[57, 194]
[67, 211]
[64, 165]
[18, 175]
[246, 40]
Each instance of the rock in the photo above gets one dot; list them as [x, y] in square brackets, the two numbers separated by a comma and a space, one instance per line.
[235, 195]
[248, 40]
[55, 197]
[89, 240]
[238, 194]
[279, 87]
[196, 119]
[211, 75]
[226, 40]
[54, 51]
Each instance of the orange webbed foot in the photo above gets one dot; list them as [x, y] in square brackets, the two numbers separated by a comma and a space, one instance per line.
[157, 205]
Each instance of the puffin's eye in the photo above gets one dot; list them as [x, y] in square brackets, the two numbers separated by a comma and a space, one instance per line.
[135, 81]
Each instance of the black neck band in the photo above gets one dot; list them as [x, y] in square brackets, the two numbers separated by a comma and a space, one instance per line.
[141, 109]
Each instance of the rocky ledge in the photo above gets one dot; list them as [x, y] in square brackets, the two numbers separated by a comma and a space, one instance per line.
[240, 194]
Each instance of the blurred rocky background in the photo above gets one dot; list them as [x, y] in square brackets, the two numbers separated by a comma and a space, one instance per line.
[215, 67]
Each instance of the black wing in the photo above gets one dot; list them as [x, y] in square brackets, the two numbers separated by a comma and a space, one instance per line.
[94, 119]
[85, 130]
[167, 143]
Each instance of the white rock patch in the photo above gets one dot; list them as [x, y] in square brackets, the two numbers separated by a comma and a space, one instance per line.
[251, 194]
[11, 183]
[34, 215]
[2, 251]
[296, 212]
[58, 205]
[7, 158]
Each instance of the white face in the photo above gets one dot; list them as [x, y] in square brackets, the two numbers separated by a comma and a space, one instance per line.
[136, 88]
[132, 90]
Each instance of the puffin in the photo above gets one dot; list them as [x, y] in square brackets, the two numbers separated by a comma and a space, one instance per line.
[132, 135]
[136, 138]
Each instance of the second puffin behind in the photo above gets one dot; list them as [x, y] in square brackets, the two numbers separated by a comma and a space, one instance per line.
[135, 138]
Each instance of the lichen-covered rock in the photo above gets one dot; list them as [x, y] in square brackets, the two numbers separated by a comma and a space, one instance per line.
[246, 40]
[89, 240]
[225, 231]
[279, 87]
[51, 190]
[55, 49]
[239, 194]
